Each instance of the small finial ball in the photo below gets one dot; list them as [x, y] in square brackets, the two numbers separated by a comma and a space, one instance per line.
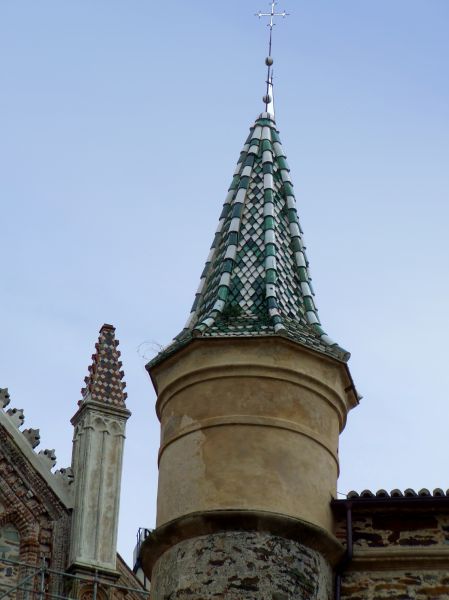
[268, 61]
[267, 99]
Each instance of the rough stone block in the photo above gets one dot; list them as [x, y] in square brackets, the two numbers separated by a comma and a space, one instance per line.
[237, 564]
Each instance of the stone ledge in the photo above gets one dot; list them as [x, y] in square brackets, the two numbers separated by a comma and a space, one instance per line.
[396, 559]
[204, 523]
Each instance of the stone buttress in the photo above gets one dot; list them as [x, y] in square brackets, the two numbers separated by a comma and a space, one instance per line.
[99, 433]
[252, 397]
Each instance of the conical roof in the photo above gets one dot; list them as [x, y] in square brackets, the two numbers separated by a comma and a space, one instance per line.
[105, 380]
[256, 281]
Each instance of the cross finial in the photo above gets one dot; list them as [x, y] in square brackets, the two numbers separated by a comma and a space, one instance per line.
[272, 15]
[268, 98]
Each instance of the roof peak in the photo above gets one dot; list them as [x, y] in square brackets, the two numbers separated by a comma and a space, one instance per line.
[266, 115]
[105, 380]
[256, 280]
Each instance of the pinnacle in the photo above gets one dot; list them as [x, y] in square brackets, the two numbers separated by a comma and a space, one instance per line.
[105, 380]
[256, 280]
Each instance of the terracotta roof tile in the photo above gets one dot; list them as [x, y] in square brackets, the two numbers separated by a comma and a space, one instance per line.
[105, 380]
[408, 493]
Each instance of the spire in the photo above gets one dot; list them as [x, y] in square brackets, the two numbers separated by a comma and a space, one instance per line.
[268, 98]
[256, 281]
[97, 455]
[104, 382]
[269, 106]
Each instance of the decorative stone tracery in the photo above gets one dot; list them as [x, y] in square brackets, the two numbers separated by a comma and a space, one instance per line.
[30, 507]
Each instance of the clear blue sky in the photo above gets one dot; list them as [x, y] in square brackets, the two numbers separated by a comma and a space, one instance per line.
[121, 122]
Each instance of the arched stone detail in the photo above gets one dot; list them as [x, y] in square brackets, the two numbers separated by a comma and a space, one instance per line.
[87, 593]
[29, 505]
[27, 527]
[9, 550]
[25, 522]
[100, 424]
[116, 429]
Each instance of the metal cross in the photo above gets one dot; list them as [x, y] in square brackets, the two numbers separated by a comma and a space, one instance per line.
[268, 99]
[272, 14]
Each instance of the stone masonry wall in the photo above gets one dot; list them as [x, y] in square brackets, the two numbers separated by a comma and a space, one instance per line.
[404, 585]
[236, 565]
[400, 553]
[399, 528]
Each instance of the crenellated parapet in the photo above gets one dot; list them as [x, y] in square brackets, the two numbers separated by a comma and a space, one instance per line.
[33, 436]
[28, 440]
[4, 398]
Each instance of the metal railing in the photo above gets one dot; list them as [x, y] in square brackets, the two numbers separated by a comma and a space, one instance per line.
[142, 534]
[43, 583]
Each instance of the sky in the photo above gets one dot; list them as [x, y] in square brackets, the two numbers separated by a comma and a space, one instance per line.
[120, 125]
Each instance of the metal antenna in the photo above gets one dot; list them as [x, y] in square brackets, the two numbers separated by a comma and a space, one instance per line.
[268, 98]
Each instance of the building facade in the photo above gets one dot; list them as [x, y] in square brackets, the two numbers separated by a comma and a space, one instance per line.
[58, 529]
[252, 396]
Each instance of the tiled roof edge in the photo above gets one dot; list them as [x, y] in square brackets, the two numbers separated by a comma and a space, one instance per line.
[409, 493]
[186, 336]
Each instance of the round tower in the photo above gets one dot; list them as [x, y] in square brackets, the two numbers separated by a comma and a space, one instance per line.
[252, 397]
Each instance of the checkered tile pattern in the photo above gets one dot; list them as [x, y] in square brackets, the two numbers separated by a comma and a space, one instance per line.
[105, 380]
[256, 280]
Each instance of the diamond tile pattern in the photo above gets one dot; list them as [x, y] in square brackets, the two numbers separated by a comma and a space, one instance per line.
[247, 282]
[290, 302]
[105, 380]
[256, 280]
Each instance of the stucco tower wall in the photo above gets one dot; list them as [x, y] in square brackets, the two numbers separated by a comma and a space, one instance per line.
[248, 426]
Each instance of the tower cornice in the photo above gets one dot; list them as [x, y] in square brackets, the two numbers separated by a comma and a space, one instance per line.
[100, 407]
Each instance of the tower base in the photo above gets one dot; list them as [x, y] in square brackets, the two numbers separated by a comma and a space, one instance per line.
[241, 564]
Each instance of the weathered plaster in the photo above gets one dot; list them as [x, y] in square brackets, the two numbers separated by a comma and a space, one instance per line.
[250, 424]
